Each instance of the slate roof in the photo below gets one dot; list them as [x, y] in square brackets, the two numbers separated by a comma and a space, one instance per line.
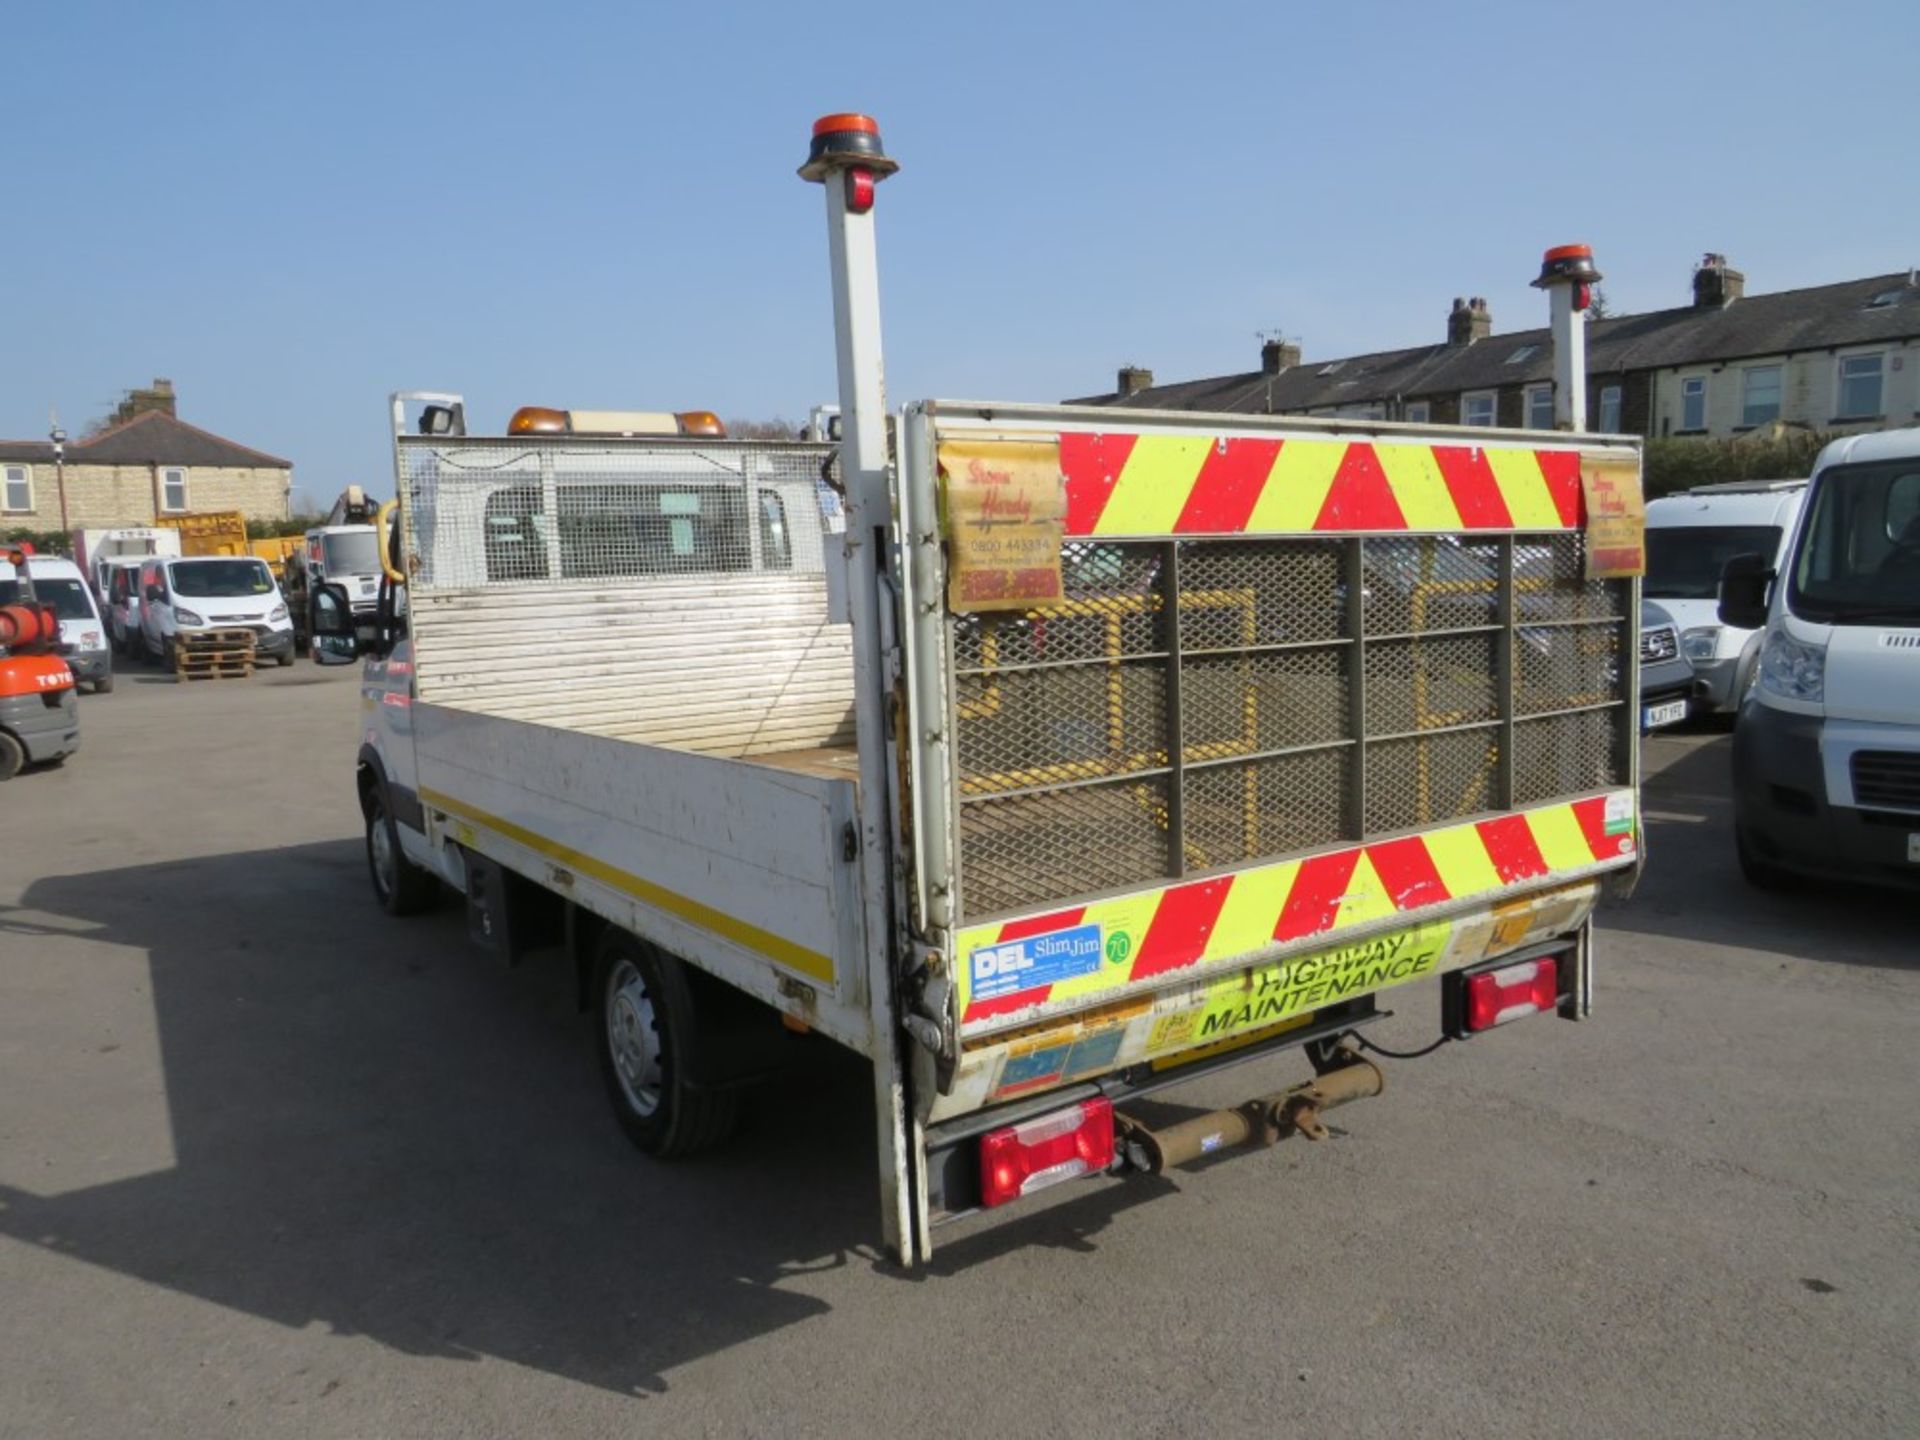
[1817, 318]
[153, 438]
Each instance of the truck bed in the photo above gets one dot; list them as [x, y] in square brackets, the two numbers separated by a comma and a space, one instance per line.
[734, 864]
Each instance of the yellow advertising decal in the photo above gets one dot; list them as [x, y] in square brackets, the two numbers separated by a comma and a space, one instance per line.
[1006, 510]
[1616, 517]
[1271, 993]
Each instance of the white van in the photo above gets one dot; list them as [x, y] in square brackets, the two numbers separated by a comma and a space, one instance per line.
[60, 583]
[1690, 538]
[212, 592]
[1827, 754]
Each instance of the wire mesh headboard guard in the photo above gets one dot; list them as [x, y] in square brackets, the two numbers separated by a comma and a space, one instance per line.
[557, 511]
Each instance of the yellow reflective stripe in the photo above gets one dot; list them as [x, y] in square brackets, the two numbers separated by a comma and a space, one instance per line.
[1563, 844]
[1153, 485]
[750, 937]
[1252, 911]
[1297, 486]
[1460, 855]
[1419, 486]
[1524, 488]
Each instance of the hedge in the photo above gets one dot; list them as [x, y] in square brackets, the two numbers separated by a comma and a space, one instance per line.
[1681, 464]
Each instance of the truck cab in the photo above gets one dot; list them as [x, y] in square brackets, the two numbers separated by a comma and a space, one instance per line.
[1827, 752]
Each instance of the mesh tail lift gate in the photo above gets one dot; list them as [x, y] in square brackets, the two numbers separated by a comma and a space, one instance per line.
[1251, 660]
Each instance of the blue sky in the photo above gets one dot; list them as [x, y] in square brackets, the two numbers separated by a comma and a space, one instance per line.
[291, 211]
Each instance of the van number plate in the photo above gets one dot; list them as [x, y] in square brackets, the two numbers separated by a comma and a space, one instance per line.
[1670, 712]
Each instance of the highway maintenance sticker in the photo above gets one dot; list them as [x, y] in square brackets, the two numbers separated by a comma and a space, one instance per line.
[1271, 993]
[1034, 962]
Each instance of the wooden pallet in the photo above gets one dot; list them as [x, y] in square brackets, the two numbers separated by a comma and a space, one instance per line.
[214, 655]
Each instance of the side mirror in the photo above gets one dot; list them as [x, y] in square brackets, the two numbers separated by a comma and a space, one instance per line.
[154, 592]
[335, 641]
[1743, 592]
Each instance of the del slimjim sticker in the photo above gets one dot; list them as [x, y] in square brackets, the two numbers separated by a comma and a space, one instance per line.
[1033, 962]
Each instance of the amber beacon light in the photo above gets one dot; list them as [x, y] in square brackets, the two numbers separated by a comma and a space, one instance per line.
[850, 144]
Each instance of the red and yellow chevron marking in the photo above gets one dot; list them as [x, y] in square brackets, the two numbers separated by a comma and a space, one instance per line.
[1234, 917]
[1168, 484]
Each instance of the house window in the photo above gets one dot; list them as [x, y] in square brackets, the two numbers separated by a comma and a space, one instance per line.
[1476, 407]
[19, 494]
[1693, 403]
[1539, 407]
[1760, 395]
[1419, 412]
[1860, 377]
[173, 490]
[1610, 410]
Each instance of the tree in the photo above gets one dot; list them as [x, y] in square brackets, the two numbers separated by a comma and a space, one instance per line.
[1597, 306]
[775, 428]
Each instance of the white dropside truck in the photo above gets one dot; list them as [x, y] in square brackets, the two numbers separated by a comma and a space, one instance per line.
[1042, 756]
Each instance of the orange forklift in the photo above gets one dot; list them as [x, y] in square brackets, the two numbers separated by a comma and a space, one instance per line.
[39, 717]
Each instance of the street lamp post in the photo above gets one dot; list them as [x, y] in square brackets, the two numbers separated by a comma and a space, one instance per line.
[59, 439]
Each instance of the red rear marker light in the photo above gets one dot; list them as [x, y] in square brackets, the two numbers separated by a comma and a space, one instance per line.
[1034, 1154]
[1512, 992]
[859, 190]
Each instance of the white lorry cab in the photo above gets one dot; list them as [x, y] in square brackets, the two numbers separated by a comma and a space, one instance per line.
[1690, 538]
[1827, 752]
[83, 641]
[1041, 756]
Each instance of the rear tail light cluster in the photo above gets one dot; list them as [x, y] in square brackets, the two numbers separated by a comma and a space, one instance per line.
[1509, 992]
[1060, 1145]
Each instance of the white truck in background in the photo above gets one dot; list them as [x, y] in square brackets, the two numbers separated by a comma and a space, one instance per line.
[1057, 756]
[95, 549]
[341, 550]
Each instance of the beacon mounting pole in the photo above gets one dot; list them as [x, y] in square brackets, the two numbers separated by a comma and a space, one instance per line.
[1568, 276]
[847, 160]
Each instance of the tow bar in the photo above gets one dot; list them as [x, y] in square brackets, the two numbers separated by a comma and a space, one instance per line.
[1261, 1122]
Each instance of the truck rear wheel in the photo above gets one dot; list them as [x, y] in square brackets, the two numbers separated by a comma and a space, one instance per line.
[646, 1032]
[401, 887]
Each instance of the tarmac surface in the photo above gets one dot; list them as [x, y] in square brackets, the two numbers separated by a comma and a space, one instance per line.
[273, 1164]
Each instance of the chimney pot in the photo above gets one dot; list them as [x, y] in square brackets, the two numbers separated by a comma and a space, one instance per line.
[1133, 379]
[1716, 284]
[1278, 355]
[1469, 320]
